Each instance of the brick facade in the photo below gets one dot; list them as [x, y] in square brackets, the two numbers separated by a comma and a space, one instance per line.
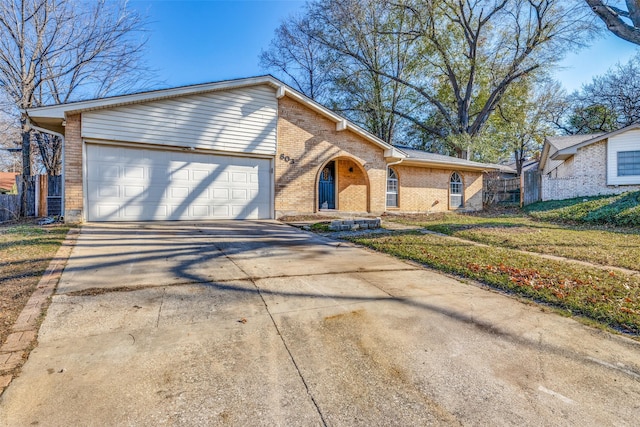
[73, 195]
[307, 141]
[585, 175]
[352, 187]
[312, 141]
[427, 190]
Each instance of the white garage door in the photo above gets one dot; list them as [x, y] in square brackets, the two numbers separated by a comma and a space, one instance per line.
[130, 184]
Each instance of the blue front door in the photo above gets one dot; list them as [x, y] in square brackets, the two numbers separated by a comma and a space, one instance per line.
[327, 188]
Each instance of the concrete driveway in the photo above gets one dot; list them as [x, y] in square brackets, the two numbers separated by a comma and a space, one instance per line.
[257, 323]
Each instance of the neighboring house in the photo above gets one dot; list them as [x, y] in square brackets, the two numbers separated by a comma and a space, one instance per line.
[509, 170]
[7, 182]
[590, 165]
[244, 149]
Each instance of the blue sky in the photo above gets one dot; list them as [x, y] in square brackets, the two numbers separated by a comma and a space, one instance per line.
[202, 41]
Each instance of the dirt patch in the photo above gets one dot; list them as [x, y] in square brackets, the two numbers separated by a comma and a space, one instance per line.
[101, 291]
[342, 316]
[366, 364]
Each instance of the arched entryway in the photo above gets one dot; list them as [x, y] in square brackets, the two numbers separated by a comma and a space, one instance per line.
[343, 185]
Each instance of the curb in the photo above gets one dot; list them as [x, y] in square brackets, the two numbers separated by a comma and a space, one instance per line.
[15, 350]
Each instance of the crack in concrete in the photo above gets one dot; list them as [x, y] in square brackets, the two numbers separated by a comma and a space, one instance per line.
[284, 343]
[164, 292]
[247, 278]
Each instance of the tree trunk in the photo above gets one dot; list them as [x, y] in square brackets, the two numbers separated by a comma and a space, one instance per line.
[26, 163]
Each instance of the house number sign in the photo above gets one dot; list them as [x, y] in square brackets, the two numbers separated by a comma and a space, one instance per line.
[287, 159]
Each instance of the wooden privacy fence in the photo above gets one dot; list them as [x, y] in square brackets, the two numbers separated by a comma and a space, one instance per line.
[9, 207]
[531, 187]
[500, 190]
[44, 197]
[52, 203]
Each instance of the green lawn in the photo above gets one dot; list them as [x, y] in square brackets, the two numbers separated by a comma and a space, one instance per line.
[610, 298]
[606, 246]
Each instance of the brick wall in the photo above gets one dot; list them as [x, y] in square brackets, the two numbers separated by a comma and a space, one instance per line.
[352, 187]
[427, 190]
[311, 140]
[73, 198]
[589, 176]
[472, 190]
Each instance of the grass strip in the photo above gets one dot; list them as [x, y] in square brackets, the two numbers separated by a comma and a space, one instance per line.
[610, 298]
[25, 252]
[616, 247]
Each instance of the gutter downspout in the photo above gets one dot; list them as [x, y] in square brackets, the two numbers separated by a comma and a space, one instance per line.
[394, 163]
[61, 136]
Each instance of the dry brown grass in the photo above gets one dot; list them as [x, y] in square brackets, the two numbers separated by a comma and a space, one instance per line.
[26, 249]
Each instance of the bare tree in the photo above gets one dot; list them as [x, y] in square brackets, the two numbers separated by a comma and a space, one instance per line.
[525, 117]
[300, 53]
[623, 23]
[58, 50]
[466, 54]
[9, 137]
[293, 53]
[610, 101]
[375, 30]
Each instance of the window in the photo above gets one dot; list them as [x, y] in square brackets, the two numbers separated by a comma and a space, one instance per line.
[628, 163]
[392, 189]
[455, 191]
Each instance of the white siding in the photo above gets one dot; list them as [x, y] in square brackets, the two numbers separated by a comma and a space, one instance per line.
[627, 141]
[240, 120]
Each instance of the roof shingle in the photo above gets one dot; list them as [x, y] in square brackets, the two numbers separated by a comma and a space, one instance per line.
[562, 142]
[7, 180]
[416, 154]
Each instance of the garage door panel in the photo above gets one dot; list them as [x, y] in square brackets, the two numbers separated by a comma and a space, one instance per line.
[131, 172]
[107, 210]
[239, 194]
[179, 192]
[221, 212]
[199, 175]
[109, 191]
[177, 175]
[220, 194]
[128, 184]
[134, 211]
[239, 177]
[109, 171]
[221, 176]
[133, 191]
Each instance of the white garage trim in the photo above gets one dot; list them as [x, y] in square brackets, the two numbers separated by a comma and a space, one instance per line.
[146, 184]
[179, 148]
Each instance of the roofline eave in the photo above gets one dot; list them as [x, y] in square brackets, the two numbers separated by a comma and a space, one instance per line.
[52, 117]
[448, 165]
